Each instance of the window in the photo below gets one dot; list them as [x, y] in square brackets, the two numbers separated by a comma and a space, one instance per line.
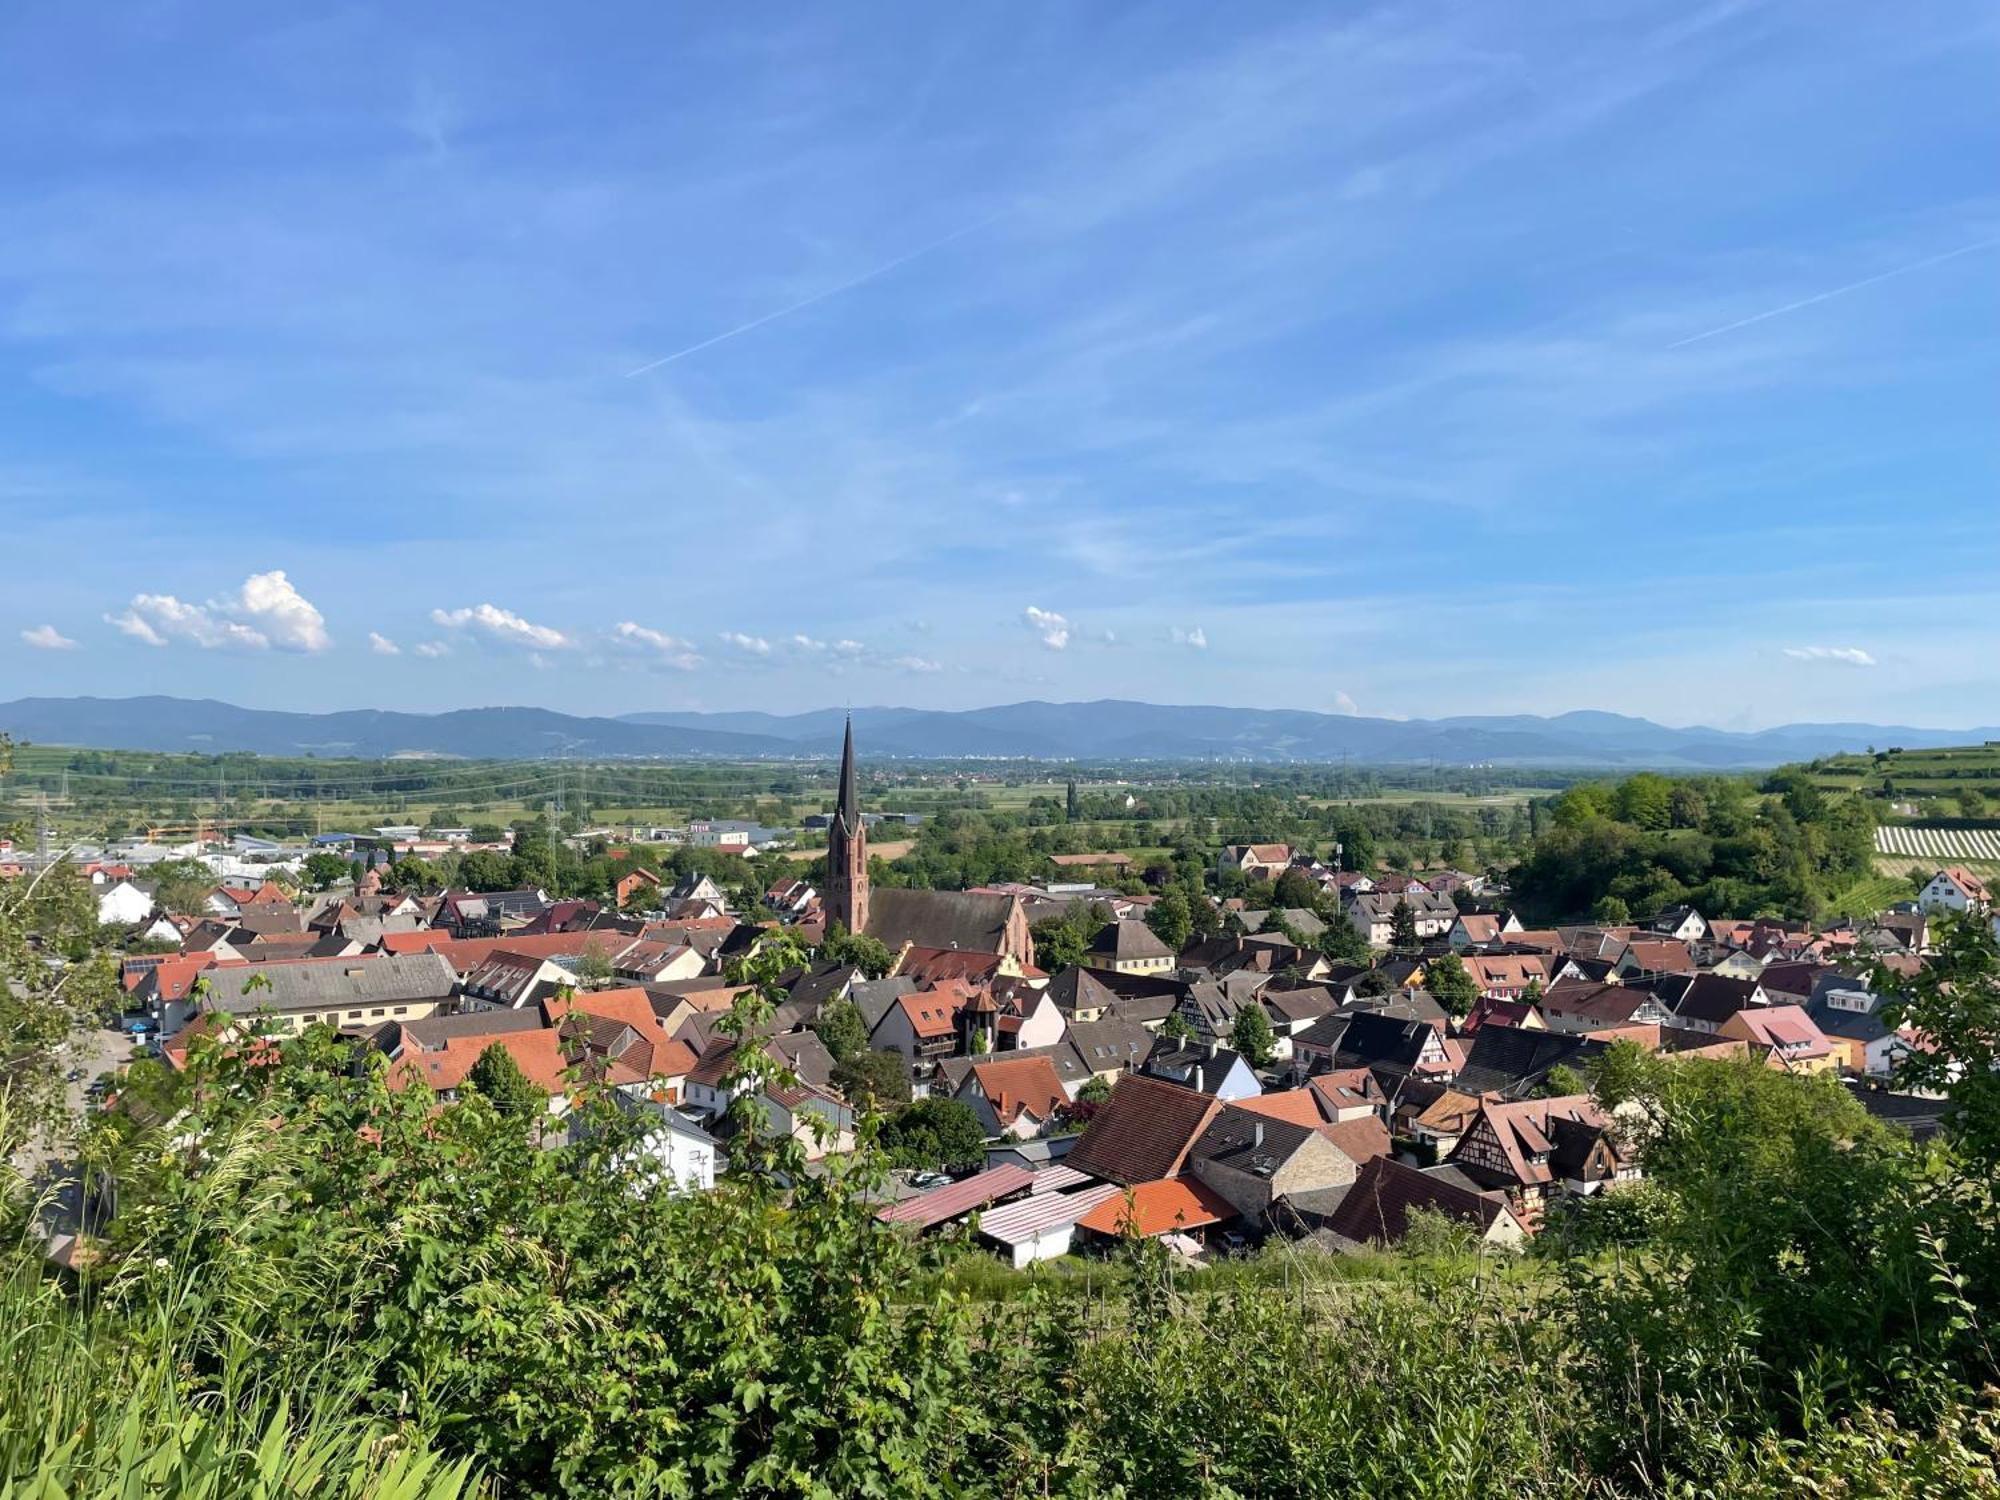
[354, 1015]
[402, 1010]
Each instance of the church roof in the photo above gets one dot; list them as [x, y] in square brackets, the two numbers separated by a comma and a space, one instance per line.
[940, 919]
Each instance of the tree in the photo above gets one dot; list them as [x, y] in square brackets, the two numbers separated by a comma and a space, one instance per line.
[593, 965]
[1176, 1028]
[322, 869]
[1171, 919]
[1251, 1035]
[1342, 941]
[868, 954]
[873, 1080]
[1561, 1081]
[841, 1028]
[1451, 984]
[1610, 911]
[1954, 1001]
[935, 1132]
[496, 1075]
[1297, 890]
[1402, 927]
[1072, 804]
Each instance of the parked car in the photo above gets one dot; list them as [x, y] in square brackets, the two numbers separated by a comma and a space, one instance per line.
[925, 1181]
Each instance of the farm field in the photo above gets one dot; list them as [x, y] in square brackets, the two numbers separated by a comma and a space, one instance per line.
[1946, 845]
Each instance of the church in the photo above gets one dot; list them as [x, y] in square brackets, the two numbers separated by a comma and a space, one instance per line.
[907, 921]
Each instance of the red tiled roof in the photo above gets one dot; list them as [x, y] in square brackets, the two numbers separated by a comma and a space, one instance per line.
[1143, 1131]
[1159, 1207]
[1014, 1085]
[1299, 1106]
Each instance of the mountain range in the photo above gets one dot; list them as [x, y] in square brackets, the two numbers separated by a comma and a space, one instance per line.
[1106, 730]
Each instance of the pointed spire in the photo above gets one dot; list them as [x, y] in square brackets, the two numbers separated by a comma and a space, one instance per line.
[848, 806]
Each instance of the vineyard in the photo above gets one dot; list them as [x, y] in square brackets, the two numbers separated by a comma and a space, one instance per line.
[1943, 845]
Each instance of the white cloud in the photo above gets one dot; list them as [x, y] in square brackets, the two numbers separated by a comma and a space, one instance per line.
[381, 645]
[843, 647]
[752, 645]
[266, 612]
[1195, 639]
[431, 649]
[668, 650]
[1342, 704]
[502, 626]
[280, 612]
[1050, 626]
[916, 664]
[1852, 656]
[48, 638]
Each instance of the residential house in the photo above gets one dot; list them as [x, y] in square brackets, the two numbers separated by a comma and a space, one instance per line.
[123, 904]
[1255, 861]
[1112, 1047]
[1379, 1207]
[1254, 1159]
[1128, 947]
[1529, 1148]
[1475, 929]
[1682, 923]
[1643, 958]
[1014, 1096]
[1577, 1006]
[1212, 1069]
[1955, 889]
[1374, 915]
[1785, 1036]
[507, 981]
[680, 1153]
[1848, 1014]
[1703, 1002]
[1507, 976]
[345, 993]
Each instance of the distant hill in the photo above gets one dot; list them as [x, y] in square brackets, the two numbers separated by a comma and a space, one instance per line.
[1114, 729]
[1111, 729]
[207, 726]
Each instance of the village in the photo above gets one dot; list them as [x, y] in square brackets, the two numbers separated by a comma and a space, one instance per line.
[1213, 1093]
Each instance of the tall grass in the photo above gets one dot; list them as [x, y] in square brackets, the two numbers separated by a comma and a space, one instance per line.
[89, 1413]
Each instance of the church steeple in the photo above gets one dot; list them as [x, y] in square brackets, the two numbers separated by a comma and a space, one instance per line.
[847, 848]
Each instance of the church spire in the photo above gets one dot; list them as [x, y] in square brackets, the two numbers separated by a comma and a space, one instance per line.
[847, 848]
[847, 809]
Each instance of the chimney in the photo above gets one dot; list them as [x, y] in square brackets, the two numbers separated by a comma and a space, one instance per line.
[1257, 1136]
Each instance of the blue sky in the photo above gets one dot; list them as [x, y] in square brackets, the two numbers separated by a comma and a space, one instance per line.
[1405, 360]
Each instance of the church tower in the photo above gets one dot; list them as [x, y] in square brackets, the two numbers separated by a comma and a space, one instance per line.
[847, 850]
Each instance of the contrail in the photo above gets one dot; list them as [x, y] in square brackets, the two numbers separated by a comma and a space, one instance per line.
[1839, 291]
[833, 291]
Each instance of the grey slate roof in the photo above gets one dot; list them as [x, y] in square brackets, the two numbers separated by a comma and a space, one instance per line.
[366, 980]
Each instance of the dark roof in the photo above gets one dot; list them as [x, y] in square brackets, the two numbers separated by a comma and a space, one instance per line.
[368, 979]
[1112, 1042]
[1921, 1117]
[1246, 1141]
[1199, 1068]
[1295, 1005]
[814, 987]
[939, 919]
[1513, 1060]
[1376, 1209]
[1081, 989]
[1143, 1132]
[1713, 998]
